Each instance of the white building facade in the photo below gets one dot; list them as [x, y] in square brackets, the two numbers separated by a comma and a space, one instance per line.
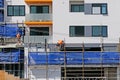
[84, 26]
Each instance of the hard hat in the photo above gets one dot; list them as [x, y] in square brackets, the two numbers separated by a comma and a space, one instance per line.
[60, 42]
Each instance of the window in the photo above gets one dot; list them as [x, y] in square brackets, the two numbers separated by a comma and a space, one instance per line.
[39, 31]
[39, 9]
[99, 31]
[99, 8]
[88, 31]
[77, 8]
[76, 31]
[16, 10]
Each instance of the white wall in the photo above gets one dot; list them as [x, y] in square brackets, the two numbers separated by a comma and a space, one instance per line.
[14, 19]
[62, 19]
[40, 74]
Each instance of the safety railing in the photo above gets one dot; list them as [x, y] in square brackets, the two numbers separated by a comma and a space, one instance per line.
[39, 17]
[83, 78]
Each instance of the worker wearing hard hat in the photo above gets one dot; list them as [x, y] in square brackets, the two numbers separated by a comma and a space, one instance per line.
[60, 45]
[18, 36]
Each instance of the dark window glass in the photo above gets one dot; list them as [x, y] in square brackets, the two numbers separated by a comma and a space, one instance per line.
[104, 31]
[104, 9]
[99, 31]
[39, 9]
[77, 8]
[76, 31]
[22, 10]
[10, 11]
[41, 31]
[16, 10]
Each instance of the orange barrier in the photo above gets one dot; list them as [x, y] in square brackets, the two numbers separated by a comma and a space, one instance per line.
[5, 76]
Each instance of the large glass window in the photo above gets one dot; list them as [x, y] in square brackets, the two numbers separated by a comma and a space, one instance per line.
[88, 31]
[99, 31]
[16, 10]
[39, 31]
[99, 8]
[77, 8]
[76, 31]
[39, 9]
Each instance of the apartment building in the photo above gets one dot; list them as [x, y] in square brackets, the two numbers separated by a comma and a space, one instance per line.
[89, 30]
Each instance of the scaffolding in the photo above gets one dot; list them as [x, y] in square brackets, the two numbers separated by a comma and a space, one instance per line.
[85, 65]
[77, 65]
[11, 55]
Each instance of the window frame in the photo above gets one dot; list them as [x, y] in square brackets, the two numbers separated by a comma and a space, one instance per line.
[101, 34]
[80, 34]
[101, 8]
[13, 10]
[78, 5]
[41, 7]
[40, 33]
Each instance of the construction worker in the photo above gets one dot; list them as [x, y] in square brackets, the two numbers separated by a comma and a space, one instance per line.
[18, 36]
[60, 45]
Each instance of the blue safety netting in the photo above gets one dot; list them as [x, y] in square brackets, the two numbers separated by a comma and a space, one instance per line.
[10, 30]
[9, 57]
[1, 3]
[1, 16]
[14, 55]
[54, 58]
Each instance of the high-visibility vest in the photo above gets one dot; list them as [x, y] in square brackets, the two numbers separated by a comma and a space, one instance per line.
[60, 42]
[18, 36]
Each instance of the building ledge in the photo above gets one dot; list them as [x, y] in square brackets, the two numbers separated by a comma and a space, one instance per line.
[39, 23]
[37, 1]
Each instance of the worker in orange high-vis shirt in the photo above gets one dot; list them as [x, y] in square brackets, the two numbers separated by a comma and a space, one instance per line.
[60, 45]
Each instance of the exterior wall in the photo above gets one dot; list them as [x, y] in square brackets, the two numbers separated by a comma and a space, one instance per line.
[14, 19]
[62, 19]
[40, 74]
[118, 73]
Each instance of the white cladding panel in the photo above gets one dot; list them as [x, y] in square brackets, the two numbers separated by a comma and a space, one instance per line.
[40, 74]
[63, 18]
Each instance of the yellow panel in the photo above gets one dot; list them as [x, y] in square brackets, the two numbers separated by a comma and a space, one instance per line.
[38, 1]
[38, 23]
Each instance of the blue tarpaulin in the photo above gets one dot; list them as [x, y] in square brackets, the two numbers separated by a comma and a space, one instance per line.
[54, 58]
[9, 57]
[1, 3]
[14, 55]
[10, 30]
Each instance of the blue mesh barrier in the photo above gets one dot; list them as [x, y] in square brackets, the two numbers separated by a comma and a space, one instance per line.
[36, 58]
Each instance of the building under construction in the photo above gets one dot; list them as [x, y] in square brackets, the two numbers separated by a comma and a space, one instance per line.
[59, 40]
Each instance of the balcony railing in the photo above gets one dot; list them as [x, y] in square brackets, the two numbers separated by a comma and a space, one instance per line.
[37, 39]
[85, 78]
[8, 40]
[39, 17]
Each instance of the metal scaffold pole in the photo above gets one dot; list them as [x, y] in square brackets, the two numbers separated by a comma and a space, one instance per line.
[46, 59]
[83, 61]
[65, 62]
[101, 57]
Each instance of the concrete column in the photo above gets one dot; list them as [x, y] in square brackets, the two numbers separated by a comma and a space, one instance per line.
[26, 63]
[118, 73]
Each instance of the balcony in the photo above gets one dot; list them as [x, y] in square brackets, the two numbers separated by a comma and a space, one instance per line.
[37, 1]
[38, 19]
[8, 40]
[37, 39]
